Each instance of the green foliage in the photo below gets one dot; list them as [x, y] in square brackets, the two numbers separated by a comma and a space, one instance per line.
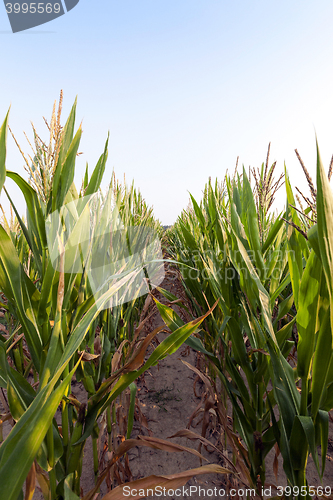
[259, 287]
[269, 278]
[62, 320]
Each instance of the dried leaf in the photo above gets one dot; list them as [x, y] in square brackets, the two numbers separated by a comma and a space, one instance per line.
[276, 467]
[169, 482]
[86, 356]
[139, 354]
[193, 436]
[30, 483]
[276, 462]
[43, 482]
[203, 378]
[155, 443]
[162, 444]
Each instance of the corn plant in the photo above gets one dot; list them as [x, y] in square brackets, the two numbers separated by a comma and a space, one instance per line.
[221, 266]
[304, 403]
[254, 265]
[58, 313]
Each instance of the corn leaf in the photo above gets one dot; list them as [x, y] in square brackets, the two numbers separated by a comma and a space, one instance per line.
[307, 314]
[17, 285]
[21, 446]
[3, 150]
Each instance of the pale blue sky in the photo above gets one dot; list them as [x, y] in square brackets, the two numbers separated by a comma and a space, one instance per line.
[183, 86]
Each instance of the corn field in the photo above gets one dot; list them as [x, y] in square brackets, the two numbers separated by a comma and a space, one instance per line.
[76, 273]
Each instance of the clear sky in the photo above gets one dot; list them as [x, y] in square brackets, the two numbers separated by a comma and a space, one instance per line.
[183, 86]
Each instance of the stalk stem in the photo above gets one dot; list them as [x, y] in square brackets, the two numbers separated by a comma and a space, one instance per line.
[95, 453]
[304, 397]
[50, 458]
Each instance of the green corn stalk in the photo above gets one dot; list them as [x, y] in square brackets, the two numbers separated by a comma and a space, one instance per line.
[241, 259]
[278, 279]
[306, 425]
[58, 316]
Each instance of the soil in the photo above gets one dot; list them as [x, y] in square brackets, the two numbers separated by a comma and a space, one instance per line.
[167, 400]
